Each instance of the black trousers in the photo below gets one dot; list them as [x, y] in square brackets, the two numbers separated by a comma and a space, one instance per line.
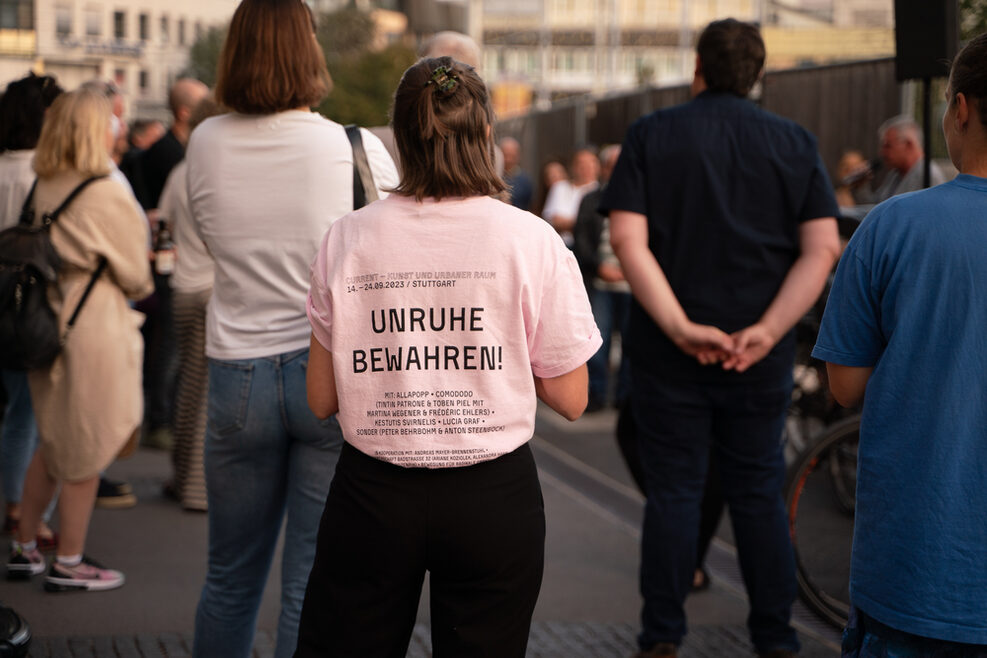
[478, 530]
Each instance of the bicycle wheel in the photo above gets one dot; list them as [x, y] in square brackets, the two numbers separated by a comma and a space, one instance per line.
[819, 497]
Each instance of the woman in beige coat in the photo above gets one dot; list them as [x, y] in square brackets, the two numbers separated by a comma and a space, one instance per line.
[88, 403]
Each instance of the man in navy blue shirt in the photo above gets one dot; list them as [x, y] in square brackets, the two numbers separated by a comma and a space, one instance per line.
[722, 216]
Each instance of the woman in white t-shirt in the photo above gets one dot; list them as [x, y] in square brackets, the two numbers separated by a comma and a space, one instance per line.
[439, 316]
[264, 182]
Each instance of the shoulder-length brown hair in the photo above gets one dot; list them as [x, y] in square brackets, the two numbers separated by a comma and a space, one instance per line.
[74, 135]
[443, 128]
[270, 60]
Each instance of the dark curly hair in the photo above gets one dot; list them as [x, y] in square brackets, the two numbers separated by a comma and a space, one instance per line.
[22, 110]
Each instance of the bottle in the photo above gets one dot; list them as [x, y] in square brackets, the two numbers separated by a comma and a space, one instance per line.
[164, 250]
[864, 171]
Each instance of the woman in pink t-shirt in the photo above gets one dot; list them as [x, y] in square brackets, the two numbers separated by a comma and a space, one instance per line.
[439, 316]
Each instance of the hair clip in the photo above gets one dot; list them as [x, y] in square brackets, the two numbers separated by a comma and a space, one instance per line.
[443, 79]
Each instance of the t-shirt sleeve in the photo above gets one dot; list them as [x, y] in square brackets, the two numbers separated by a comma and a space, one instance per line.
[850, 334]
[563, 335]
[627, 189]
[319, 304]
[381, 165]
[820, 201]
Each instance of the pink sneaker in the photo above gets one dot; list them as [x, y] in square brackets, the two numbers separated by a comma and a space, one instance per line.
[88, 575]
[24, 564]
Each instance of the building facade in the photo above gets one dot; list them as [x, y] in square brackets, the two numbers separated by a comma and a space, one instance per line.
[142, 46]
[537, 51]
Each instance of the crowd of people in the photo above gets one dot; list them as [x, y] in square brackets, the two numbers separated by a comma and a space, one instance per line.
[365, 379]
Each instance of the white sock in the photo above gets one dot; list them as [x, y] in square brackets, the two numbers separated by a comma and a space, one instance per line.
[26, 547]
[69, 560]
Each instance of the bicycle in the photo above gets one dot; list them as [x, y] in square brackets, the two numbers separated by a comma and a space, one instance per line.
[820, 500]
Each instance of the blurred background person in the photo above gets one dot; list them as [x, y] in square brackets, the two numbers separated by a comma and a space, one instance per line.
[22, 111]
[609, 292]
[141, 135]
[551, 173]
[852, 172]
[84, 427]
[191, 284]
[904, 158]
[162, 155]
[160, 360]
[265, 181]
[562, 203]
[518, 181]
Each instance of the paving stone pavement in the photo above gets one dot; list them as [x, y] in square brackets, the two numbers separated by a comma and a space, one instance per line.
[547, 640]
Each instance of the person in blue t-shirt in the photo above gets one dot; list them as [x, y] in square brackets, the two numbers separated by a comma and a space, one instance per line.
[905, 330]
[722, 217]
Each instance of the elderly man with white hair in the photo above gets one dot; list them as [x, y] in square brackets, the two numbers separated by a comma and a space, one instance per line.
[903, 155]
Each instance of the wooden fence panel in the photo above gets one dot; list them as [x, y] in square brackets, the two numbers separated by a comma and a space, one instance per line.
[842, 105]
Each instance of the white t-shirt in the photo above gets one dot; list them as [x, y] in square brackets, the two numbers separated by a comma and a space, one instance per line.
[16, 176]
[437, 314]
[563, 200]
[262, 191]
[193, 264]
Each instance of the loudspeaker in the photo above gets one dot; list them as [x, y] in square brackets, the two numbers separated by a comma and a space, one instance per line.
[926, 37]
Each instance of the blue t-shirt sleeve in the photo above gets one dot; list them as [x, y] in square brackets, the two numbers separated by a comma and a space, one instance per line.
[851, 334]
[819, 199]
[627, 189]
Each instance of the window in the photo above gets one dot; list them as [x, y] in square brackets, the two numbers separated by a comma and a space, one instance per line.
[63, 21]
[198, 30]
[581, 61]
[164, 29]
[142, 80]
[143, 27]
[94, 22]
[181, 31]
[119, 25]
[17, 14]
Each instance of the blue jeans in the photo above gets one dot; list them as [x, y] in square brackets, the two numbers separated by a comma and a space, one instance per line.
[267, 457]
[18, 436]
[677, 423]
[611, 310]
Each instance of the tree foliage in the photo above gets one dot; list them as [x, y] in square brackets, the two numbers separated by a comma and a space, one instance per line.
[973, 18]
[363, 80]
[204, 55]
[344, 33]
[364, 84]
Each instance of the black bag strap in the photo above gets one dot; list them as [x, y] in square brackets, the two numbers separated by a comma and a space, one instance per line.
[47, 220]
[85, 295]
[364, 190]
[27, 212]
[50, 218]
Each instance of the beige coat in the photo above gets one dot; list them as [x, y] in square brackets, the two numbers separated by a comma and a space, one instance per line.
[89, 403]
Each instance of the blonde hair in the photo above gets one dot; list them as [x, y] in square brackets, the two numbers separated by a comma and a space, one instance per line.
[73, 137]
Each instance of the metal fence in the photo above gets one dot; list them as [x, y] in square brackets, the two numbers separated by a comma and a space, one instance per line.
[842, 105]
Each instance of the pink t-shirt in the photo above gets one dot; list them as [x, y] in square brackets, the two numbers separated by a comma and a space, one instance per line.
[437, 314]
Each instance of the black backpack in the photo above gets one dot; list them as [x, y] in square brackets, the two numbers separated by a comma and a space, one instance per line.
[29, 333]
